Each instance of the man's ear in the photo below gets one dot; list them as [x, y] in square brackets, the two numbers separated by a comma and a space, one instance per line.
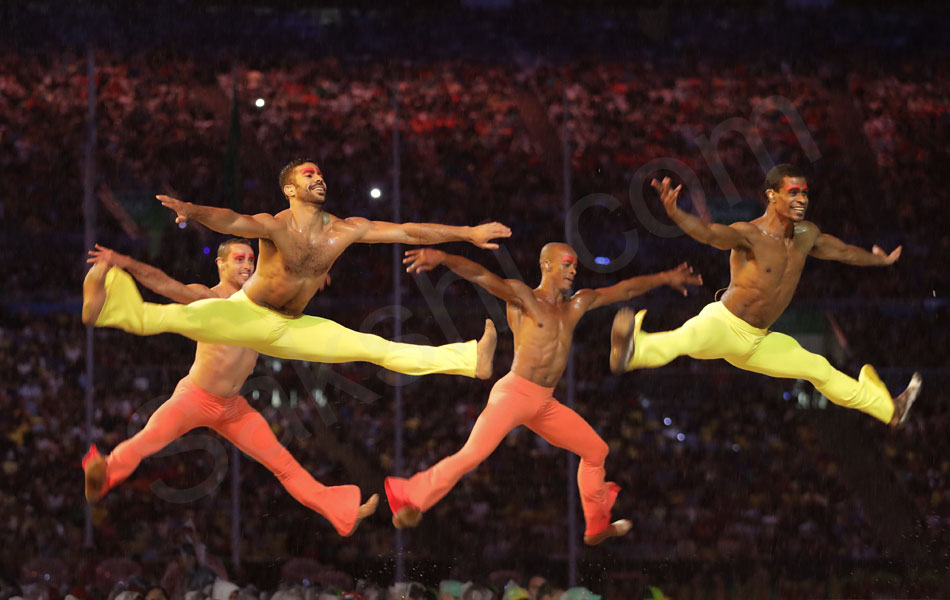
[289, 190]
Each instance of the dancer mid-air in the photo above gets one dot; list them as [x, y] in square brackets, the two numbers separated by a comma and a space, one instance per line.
[766, 262]
[543, 322]
[297, 248]
[209, 396]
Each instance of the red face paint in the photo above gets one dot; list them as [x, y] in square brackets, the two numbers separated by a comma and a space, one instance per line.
[307, 171]
[567, 258]
[794, 188]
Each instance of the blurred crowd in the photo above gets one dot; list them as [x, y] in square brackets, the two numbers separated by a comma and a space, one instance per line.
[718, 468]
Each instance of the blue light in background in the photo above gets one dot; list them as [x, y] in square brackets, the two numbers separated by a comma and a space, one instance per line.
[206, 250]
[602, 260]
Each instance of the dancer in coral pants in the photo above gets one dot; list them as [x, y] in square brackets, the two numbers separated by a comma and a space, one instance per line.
[210, 397]
[543, 322]
[767, 258]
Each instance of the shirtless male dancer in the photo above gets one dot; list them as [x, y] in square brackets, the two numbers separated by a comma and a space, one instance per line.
[766, 262]
[297, 248]
[543, 322]
[209, 396]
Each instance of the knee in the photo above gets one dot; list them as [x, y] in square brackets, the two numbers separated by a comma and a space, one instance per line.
[820, 371]
[597, 454]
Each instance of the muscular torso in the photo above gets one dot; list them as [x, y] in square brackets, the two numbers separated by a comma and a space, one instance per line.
[293, 264]
[541, 353]
[222, 370]
[765, 274]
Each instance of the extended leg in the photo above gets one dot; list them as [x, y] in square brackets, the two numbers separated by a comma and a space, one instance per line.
[779, 355]
[705, 336]
[423, 490]
[179, 414]
[247, 429]
[564, 428]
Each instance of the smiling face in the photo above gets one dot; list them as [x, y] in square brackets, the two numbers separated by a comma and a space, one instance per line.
[237, 266]
[306, 184]
[559, 266]
[789, 199]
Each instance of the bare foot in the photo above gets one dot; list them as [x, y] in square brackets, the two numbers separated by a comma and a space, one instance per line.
[95, 467]
[903, 402]
[615, 529]
[622, 333]
[406, 517]
[365, 510]
[486, 351]
[94, 293]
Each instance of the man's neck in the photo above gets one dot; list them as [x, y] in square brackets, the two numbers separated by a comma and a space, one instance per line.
[775, 224]
[225, 289]
[550, 292]
[306, 215]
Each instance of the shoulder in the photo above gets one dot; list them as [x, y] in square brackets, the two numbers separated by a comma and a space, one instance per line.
[744, 227]
[807, 227]
[283, 217]
[357, 224]
[583, 298]
[203, 291]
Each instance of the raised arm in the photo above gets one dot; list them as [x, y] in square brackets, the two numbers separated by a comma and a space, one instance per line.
[222, 220]
[511, 291]
[677, 279]
[723, 237]
[828, 247]
[381, 232]
[151, 277]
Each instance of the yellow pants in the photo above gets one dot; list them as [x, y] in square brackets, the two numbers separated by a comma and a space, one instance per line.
[717, 333]
[236, 321]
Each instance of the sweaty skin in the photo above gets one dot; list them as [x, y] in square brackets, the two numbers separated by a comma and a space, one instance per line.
[768, 253]
[543, 319]
[300, 244]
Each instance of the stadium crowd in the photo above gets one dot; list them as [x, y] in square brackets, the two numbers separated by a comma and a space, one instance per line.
[722, 473]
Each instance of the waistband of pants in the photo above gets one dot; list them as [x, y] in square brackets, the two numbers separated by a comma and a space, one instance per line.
[525, 385]
[720, 310]
[188, 382]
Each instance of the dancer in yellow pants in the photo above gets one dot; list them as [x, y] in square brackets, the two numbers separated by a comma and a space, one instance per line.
[768, 255]
[297, 248]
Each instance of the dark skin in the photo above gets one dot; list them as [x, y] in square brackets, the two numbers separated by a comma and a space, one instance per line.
[543, 319]
[300, 244]
[768, 253]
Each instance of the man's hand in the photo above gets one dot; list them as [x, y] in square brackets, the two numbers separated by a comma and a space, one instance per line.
[483, 234]
[421, 260]
[180, 208]
[110, 257]
[682, 276]
[668, 194]
[889, 259]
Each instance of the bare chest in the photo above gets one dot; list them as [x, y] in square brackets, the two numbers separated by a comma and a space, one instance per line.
[307, 253]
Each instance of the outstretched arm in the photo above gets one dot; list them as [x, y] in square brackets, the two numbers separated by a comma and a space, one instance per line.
[511, 291]
[381, 232]
[723, 237]
[828, 247]
[151, 277]
[222, 220]
[677, 279]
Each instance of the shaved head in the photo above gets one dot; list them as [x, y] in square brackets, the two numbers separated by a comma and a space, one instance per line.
[553, 252]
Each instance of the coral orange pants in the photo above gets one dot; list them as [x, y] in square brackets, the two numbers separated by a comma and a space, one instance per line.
[516, 401]
[190, 407]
